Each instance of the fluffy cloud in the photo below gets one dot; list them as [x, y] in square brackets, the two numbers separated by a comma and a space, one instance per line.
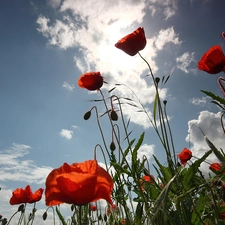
[184, 61]
[167, 7]
[166, 36]
[15, 168]
[209, 123]
[66, 134]
[93, 28]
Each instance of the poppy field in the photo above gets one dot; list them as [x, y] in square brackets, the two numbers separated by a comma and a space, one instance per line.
[177, 194]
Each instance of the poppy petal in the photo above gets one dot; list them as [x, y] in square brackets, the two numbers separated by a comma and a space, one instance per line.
[133, 42]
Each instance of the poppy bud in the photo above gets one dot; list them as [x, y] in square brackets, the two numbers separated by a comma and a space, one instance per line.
[164, 102]
[100, 217]
[45, 216]
[21, 208]
[114, 115]
[4, 221]
[112, 146]
[87, 115]
[157, 79]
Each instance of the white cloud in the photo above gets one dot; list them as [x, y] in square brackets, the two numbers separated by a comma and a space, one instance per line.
[167, 7]
[15, 168]
[68, 86]
[66, 134]
[145, 151]
[209, 123]
[166, 36]
[54, 3]
[93, 28]
[184, 61]
[199, 101]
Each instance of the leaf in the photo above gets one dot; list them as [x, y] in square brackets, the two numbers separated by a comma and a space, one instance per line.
[127, 151]
[161, 200]
[166, 175]
[214, 97]
[215, 151]
[199, 209]
[60, 216]
[135, 150]
[138, 213]
[111, 89]
[192, 170]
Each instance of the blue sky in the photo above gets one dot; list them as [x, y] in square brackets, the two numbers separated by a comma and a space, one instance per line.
[46, 45]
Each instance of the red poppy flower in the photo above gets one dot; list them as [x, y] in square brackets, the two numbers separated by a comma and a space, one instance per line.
[133, 42]
[213, 61]
[93, 207]
[78, 183]
[215, 166]
[25, 195]
[91, 81]
[150, 179]
[110, 209]
[184, 156]
[222, 215]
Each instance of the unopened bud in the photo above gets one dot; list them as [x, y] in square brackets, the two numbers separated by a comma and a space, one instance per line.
[45, 216]
[112, 146]
[114, 115]
[87, 115]
[157, 79]
[21, 208]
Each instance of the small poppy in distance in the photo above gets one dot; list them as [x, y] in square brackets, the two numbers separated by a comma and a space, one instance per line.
[133, 42]
[92, 81]
[93, 207]
[215, 167]
[213, 61]
[78, 183]
[25, 195]
[184, 156]
[223, 35]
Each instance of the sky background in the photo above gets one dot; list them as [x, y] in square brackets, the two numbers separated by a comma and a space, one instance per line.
[46, 45]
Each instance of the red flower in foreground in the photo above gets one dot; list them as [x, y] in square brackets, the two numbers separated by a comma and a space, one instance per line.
[25, 195]
[213, 61]
[184, 156]
[78, 183]
[133, 42]
[92, 81]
